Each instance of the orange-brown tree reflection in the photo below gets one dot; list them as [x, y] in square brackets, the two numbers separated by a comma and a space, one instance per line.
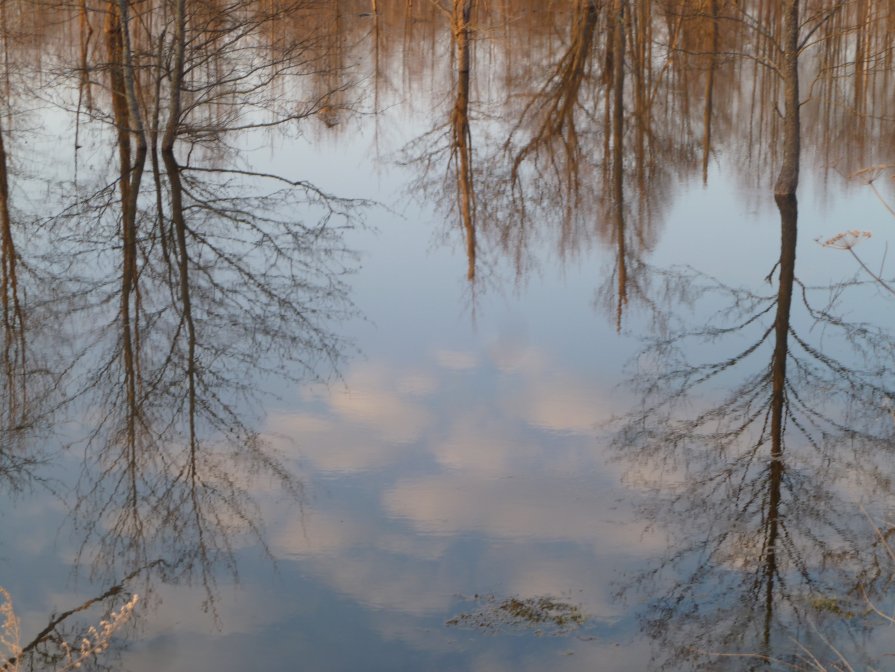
[596, 148]
[755, 484]
[449, 146]
[581, 155]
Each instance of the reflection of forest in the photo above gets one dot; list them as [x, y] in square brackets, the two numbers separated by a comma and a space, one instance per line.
[175, 268]
[583, 120]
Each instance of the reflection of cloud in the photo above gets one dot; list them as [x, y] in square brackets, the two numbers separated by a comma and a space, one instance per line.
[330, 445]
[368, 401]
[520, 469]
[454, 360]
[514, 358]
[417, 384]
[412, 545]
[562, 404]
[317, 533]
[543, 508]
[485, 445]
[386, 581]
[364, 425]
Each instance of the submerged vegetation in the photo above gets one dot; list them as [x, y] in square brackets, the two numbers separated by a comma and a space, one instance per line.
[543, 615]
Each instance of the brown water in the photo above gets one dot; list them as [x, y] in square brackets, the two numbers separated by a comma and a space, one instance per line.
[446, 336]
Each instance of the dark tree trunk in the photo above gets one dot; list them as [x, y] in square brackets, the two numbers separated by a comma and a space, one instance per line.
[788, 237]
[618, 131]
[788, 178]
[462, 135]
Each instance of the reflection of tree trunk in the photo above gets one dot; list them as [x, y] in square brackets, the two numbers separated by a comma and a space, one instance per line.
[637, 23]
[788, 178]
[115, 47]
[788, 214]
[461, 134]
[4, 27]
[129, 123]
[177, 215]
[861, 39]
[13, 315]
[709, 93]
[788, 227]
[86, 35]
[377, 64]
[618, 130]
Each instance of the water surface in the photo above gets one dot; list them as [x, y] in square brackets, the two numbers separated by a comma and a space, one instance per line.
[458, 336]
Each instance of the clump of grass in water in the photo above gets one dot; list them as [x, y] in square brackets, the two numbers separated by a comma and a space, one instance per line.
[543, 615]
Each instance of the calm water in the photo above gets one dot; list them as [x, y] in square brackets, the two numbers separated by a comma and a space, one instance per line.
[446, 342]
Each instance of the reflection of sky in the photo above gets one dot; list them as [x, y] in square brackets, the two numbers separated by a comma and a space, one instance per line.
[455, 456]
[452, 458]
[465, 458]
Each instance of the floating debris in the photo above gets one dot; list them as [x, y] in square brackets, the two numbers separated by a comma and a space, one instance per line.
[540, 615]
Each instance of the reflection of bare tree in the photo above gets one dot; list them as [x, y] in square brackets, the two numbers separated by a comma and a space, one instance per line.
[14, 362]
[27, 383]
[553, 148]
[594, 150]
[553, 175]
[15, 415]
[452, 143]
[461, 146]
[215, 280]
[617, 162]
[556, 106]
[755, 487]
[708, 106]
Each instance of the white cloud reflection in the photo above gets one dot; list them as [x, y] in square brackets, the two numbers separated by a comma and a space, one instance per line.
[521, 508]
[494, 483]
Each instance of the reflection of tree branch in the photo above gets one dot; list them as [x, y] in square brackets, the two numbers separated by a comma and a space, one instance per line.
[557, 101]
